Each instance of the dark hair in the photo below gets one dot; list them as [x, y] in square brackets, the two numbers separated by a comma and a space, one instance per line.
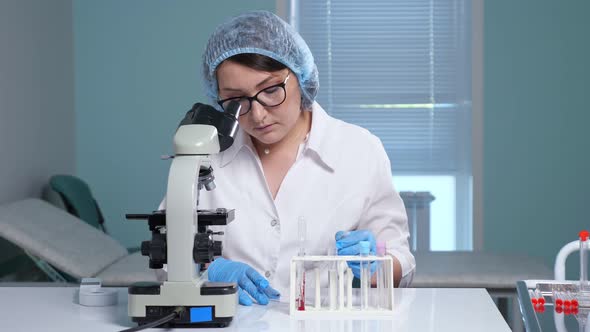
[257, 62]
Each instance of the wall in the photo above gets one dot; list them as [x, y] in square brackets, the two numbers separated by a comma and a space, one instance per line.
[36, 95]
[36, 100]
[536, 118]
[137, 73]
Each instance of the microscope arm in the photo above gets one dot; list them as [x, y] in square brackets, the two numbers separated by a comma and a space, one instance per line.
[181, 213]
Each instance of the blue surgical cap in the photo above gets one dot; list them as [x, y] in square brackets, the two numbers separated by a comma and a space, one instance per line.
[264, 33]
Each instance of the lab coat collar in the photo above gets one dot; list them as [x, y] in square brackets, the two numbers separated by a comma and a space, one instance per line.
[239, 143]
[319, 137]
[318, 141]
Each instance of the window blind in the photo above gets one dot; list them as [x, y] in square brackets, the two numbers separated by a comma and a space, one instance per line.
[401, 69]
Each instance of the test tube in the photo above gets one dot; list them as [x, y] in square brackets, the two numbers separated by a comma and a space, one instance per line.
[302, 227]
[333, 279]
[318, 299]
[539, 296]
[341, 269]
[301, 267]
[532, 296]
[583, 260]
[349, 279]
[365, 275]
[381, 294]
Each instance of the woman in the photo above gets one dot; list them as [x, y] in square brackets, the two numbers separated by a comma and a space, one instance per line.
[291, 161]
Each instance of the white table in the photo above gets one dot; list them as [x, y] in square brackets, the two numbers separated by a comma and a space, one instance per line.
[427, 309]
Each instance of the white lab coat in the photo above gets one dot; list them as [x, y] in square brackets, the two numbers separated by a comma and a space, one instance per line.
[341, 180]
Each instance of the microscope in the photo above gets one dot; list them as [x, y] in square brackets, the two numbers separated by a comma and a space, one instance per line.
[181, 237]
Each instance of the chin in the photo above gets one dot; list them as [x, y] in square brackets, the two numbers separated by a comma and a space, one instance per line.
[269, 139]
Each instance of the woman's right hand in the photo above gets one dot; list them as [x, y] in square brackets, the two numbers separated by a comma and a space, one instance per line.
[348, 244]
[250, 283]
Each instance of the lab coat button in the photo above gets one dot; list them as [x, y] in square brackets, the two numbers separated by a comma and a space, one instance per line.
[267, 274]
[274, 222]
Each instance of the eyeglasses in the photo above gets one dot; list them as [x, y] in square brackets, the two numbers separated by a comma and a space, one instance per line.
[272, 96]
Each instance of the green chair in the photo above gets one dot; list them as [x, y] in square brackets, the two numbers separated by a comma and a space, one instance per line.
[77, 199]
[73, 195]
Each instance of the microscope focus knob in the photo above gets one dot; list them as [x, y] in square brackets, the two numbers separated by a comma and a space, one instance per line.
[155, 250]
[217, 248]
[203, 250]
[145, 248]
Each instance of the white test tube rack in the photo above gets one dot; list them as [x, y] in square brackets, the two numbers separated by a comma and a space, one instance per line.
[315, 309]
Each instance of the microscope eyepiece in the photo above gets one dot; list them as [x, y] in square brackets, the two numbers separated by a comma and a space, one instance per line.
[226, 122]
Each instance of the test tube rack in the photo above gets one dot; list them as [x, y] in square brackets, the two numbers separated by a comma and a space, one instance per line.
[342, 287]
[560, 298]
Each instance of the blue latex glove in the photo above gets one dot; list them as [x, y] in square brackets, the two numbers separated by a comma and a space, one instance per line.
[347, 244]
[250, 282]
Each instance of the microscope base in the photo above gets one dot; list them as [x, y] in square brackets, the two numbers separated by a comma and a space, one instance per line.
[206, 304]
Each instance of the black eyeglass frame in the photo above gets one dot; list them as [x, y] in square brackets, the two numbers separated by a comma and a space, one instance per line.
[255, 97]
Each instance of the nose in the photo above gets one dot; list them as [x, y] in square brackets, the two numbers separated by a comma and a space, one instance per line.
[257, 112]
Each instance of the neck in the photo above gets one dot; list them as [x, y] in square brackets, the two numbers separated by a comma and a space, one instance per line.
[291, 140]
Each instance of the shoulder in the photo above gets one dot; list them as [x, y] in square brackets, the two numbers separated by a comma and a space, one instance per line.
[355, 133]
[351, 139]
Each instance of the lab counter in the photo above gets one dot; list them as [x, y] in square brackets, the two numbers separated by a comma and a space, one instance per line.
[427, 309]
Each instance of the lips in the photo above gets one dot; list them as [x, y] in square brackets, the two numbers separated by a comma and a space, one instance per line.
[264, 127]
